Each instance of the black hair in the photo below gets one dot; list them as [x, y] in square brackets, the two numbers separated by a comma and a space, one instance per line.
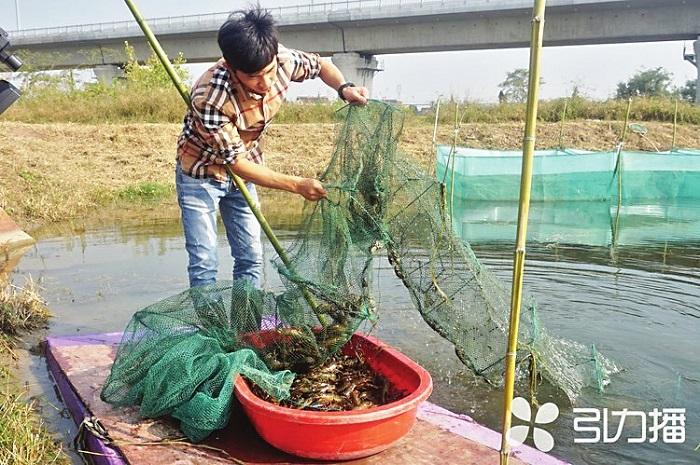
[248, 39]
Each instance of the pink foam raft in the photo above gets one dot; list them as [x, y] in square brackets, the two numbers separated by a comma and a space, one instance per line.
[79, 366]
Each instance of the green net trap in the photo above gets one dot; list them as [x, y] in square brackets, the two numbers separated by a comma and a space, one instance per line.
[571, 175]
[179, 357]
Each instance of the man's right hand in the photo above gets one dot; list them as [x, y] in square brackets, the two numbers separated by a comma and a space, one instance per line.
[310, 189]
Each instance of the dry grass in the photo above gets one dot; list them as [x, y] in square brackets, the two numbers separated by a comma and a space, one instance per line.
[54, 172]
[22, 308]
[58, 171]
[588, 135]
[23, 438]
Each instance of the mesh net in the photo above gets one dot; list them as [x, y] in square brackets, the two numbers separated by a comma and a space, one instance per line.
[179, 356]
[571, 175]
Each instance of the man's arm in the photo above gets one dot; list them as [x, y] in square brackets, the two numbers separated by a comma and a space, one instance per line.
[331, 75]
[310, 189]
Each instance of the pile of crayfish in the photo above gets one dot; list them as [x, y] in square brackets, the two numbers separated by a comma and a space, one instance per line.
[341, 383]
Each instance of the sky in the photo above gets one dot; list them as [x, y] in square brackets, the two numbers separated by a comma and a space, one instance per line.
[411, 78]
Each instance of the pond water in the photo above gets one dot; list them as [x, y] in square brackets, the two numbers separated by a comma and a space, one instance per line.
[639, 302]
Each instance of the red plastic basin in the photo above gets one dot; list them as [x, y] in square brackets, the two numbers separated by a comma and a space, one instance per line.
[344, 435]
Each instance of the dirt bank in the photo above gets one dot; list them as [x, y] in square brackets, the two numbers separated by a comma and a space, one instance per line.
[50, 172]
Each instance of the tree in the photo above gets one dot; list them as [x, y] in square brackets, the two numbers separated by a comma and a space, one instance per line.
[648, 83]
[152, 74]
[514, 87]
[687, 92]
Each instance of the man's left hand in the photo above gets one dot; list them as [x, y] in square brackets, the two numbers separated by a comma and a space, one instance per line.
[356, 95]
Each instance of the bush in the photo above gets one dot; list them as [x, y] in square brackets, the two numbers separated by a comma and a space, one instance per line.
[578, 108]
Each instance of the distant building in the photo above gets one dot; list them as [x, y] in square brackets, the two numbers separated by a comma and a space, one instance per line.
[422, 108]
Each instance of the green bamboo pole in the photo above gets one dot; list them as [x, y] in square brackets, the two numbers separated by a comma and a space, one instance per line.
[523, 212]
[435, 127]
[184, 93]
[620, 145]
[561, 126]
[454, 156]
[623, 135]
[437, 113]
[675, 126]
[618, 172]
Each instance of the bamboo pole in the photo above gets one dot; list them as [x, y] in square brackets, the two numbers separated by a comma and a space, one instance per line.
[454, 156]
[561, 126]
[618, 172]
[184, 93]
[435, 127]
[523, 211]
[437, 113]
[675, 126]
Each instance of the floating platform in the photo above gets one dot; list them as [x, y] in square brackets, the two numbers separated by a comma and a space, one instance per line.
[80, 365]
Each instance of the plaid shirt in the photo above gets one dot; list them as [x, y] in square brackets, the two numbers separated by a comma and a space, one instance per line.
[228, 120]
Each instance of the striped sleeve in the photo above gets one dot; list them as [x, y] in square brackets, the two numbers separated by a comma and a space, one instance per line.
[306, 65]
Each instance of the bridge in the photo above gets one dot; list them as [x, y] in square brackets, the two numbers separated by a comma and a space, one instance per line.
[354, 32]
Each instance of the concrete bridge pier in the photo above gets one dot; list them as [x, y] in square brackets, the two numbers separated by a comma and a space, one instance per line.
[696, 45]
[106, 74]
[357, 68]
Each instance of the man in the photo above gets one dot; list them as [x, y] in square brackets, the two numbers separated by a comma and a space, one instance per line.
[233, 103]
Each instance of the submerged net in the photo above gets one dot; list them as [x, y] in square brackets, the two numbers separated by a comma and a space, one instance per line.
[179, 356]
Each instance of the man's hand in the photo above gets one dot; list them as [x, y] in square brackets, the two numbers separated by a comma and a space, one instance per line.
[310, 189]
[356, 95]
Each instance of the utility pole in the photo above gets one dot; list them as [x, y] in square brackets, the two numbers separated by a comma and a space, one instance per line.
[17, 14]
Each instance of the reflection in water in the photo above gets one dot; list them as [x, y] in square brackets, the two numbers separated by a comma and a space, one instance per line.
[640, 304]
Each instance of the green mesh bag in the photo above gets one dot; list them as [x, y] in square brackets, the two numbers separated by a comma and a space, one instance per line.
[179, 357]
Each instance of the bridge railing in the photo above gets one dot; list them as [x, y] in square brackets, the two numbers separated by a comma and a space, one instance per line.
[284, 14]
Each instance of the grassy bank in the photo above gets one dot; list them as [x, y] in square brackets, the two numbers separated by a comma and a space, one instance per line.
[23, 438]
[58, 171]
[135, 102]
[130, 104]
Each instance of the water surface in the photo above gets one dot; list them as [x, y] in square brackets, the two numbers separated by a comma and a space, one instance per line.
[639, 302]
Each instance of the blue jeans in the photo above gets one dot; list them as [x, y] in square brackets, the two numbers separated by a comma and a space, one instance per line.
[198, 200]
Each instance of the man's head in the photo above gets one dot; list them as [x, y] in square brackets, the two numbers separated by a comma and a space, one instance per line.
[248, 42]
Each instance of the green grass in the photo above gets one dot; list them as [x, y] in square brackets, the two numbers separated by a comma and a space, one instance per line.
[145, 191]
[132, 102]
[30, 176]
[643, 109]
[98, 104]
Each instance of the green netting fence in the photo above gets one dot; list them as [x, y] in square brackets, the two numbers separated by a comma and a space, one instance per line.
[178, 357]
[571, 175]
